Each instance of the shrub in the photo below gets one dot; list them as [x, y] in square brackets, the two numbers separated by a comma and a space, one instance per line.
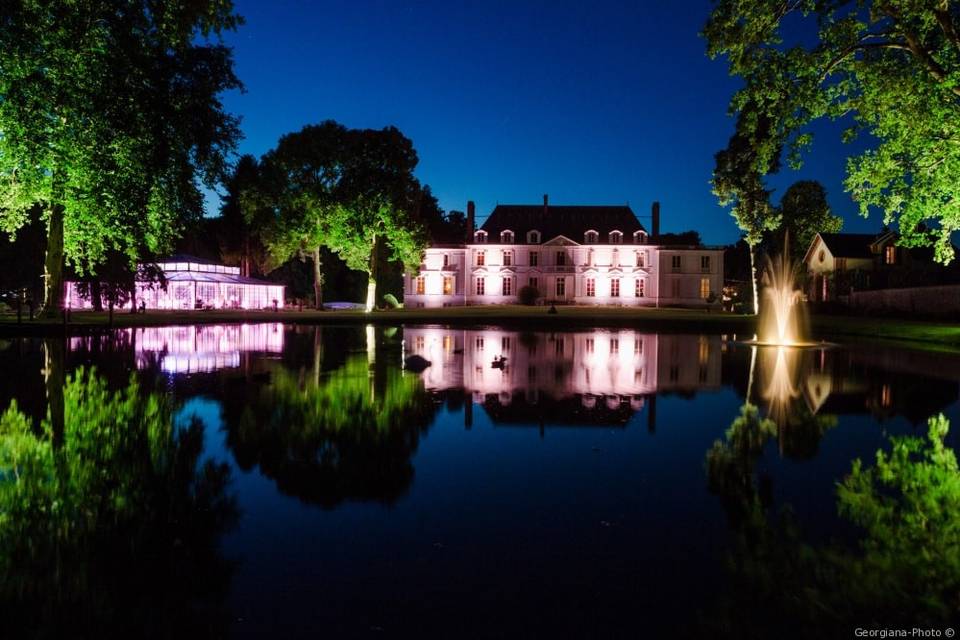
[528, 295]
[391, 301]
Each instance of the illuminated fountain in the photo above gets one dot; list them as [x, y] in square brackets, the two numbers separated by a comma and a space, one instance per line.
[783, 321]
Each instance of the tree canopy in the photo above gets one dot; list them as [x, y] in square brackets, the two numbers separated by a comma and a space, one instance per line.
[889, 68]
[804, 212]
[110, 119]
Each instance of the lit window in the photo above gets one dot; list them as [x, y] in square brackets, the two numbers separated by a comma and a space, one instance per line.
[561, 287]
[615, 287]
[479, 343]
[421, 285]
[704, 288]
[507, 286]
[704, 350]
[481, 258]
[505, 343]
[481, 286]
[418, 343]
[675, 263]
[640, 237]
[507, 258]
[638, 288]
[590, 345]
[534, 258]
[447, 285]
[890, 254]
[591, 287]
[637, 346]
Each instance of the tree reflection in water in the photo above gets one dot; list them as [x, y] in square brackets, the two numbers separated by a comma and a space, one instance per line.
[112, 526]
[902, 570]
[327, 437]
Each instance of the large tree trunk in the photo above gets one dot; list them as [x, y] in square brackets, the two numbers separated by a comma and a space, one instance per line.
[54, 379]
[753, 280]
[95, 295]
[317, 280]
[53, 263]
[372, 274]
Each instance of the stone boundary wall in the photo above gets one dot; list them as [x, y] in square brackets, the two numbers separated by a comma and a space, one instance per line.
[937, 300]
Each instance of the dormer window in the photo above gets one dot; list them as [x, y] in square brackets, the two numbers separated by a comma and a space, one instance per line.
[591, 237]
[640, 237]
[506, 237]
[480, 237]
[615, 237]
[533, 237]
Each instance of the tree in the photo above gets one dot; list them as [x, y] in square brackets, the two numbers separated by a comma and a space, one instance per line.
[889, 67]
[110, 116]
[689, 238]
[350, 191]
[804, 212]
[378, 198]
[738, 183]
[241, 224]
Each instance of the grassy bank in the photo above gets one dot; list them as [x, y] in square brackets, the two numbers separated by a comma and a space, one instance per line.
[826, 327]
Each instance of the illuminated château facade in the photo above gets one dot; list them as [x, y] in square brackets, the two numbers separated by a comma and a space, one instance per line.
[570, 255]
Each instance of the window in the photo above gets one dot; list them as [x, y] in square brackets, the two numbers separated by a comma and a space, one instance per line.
[481, 286]
[590, 345]
[507, 286]
[448, 344]
[534, 258]
[591, 287]
[705, 264]
[561, 258]
[480, 237]
[507, 258]
[890, 254]
[419, 343]
[675, 263]
[505, 344]
[421, 285]
[637, 346]
[615, 288]
[446, 260]
[481, 258]
[532, 283]
[590, 237]
[640, 237]
[506, 237]
[533, 237]
[614, 345]
[840, 264]
[447, 285]
[615, 237]
[641, 258]
[704, 288]
[561, 287]
[638, 287]
[479, 343]
[822, 255]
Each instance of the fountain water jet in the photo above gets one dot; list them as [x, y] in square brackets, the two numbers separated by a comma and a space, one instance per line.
[783, 321]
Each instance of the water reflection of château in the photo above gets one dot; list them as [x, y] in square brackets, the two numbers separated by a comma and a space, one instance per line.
[601, 376]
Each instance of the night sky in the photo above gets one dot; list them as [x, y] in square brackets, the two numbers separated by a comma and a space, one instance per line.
[590, 102]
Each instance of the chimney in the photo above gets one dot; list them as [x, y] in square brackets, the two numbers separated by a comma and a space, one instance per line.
[471, 212]
[655, 220]
[546, 202]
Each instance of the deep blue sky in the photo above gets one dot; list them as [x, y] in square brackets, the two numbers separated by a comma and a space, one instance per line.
[591, 102]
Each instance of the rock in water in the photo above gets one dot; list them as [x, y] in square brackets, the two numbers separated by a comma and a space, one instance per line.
[416, 364]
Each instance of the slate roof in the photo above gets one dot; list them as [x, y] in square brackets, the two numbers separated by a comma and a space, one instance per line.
[849, 245]
[569, 221]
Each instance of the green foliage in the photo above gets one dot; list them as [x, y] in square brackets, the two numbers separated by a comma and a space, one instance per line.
[391, 301]
[803, 213]
[346, 434]
[892, 67]
[110, 114]
[112, 524]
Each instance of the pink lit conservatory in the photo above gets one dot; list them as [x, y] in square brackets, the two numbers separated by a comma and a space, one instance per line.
[194, 283]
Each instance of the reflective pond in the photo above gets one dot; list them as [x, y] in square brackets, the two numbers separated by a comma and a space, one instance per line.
[246, 480]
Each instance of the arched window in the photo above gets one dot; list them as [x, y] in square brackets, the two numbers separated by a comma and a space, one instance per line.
[506, 237]
[590, 237]
[480, 237]
[615, 237]
[533, 237]
[640, 237]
